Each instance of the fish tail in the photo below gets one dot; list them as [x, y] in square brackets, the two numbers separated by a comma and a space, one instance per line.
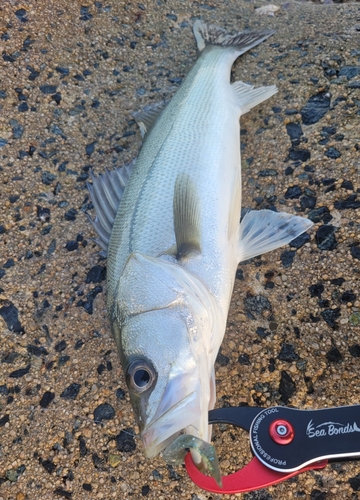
[214, 35]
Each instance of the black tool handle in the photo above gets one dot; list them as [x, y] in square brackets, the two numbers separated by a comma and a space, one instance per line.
[286, 439]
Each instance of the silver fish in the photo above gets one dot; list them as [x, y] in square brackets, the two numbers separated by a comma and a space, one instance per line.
[170, 227]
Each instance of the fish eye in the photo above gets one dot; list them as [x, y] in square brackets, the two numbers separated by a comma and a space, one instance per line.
[140, 376]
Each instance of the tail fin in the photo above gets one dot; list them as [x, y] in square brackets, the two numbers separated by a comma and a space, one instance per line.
[213, 35]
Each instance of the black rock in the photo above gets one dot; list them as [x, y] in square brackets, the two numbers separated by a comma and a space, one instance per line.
[72, 245]
[349, 71]
[257, 304]
[288, 353]
[354, 350]
[318, 495]
[307, 202]
[71, 391]
[87, 487]
[79, 343]
[4, 420]
[294, 131]
[316, 107]
[63, 493]
[82, 446]
[9, 314]
[299, 154]
[90, 148]
[23, 107]
[103, 412]
[262, 332]
[332, 153]
[325, 237]
[348, 296]
[96, 274]
[355, 482]
[62, 70]
[9, 263]
[355, 252]
[70, 214]
[43, 213]
[287, 387]
[90, 296]
[125, 441]
[244, 359]
[350, 202]
[47, 178]
[85, 15]
[145, 490]
[330, 316]
[48, 89]
[60, 346]
[293, 192]
[48, 465]
[222, 360]
[288, 171]
[239, 274]
[287, 258]
[46, 399]
[318, 214]
[20, 373]
[300, 241]
[347, 185]
[120, 393]
[316, 290]
[334, 355]
[268, 172]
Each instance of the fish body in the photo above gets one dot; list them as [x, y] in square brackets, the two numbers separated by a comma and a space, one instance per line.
[175, 242]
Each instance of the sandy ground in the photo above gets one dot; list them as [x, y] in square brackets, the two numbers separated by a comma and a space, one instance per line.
[71, 73]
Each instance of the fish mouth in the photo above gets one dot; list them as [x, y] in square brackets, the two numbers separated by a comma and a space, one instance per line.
[161, 432]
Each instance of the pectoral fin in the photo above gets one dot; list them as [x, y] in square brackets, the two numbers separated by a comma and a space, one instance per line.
[186, 217]
[247, 96]
[147, 117]
[264, 230]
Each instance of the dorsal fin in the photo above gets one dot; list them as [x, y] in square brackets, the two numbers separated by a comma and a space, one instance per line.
[186, 208]
[106, 192]
[147, 117]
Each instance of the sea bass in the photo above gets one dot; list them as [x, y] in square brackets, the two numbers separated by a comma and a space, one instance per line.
[170, 227]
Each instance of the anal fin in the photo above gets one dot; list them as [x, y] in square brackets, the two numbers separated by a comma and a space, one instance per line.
[148, 116]
[248, 96]
[186, 209]
[264, 230]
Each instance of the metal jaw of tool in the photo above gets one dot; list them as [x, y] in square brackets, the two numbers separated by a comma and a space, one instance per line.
[285, 442]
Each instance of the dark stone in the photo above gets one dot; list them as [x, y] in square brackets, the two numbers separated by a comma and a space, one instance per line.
[355, 252]
[90, 148]
[316, 290]
[288, 353]
[72, 245]
[330, 316]
[23, 107]
[145, 490]
[79, 343]
[300, 241]
[354, 350]
[348, 296]
[318, 214]
[21, 372]
[48, 89]
[87, 487]
[70, 214]
[4, 420]
[325, 237]
[101, 368]
[239, 274]
[318, 495]
[293, 192]
[20, 13]
[299, 154]
[90, 296]
[288, 171]
[60, 346]
[82, 446]
[262, 332]
[307, 202]
[9, 263]
[349, 71]
[71, 391]
[97, 274]
[244, 359]
[355, 482]
[334, 355]
[222, 360]
[62, 70]
[57, 98]
[63, 360]
[48, 465]
[120, 393]
[347, 185]
[268, 172]
[287, 258]
[63, 493]
[332, 153]
[350, 202]
[3, 142]
[125, 441]
[46, 399]
[14, 198]
[47, 178]
[316, 107]
[9, 314]
[257, 304]
[36, 350]
[294, 131]
[103, 412]
[43, 213]
[287, 387]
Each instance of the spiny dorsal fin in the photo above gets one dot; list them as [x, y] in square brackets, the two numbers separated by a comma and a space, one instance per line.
[213, 35]
[106, 192]
[186, 217]
[147, 117]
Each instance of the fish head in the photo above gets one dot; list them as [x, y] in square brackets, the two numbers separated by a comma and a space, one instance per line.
[166, 319]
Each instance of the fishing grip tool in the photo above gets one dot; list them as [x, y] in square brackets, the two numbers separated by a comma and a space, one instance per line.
[285, 442]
